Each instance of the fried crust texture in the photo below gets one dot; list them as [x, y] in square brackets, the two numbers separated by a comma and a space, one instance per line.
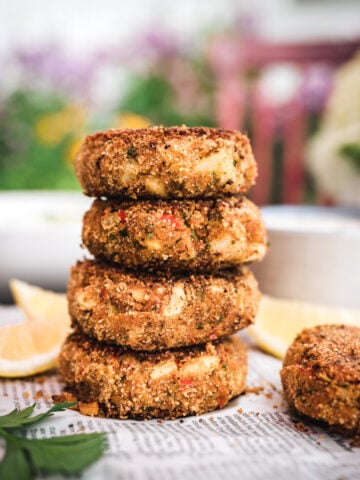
[169, 384]
[321, 376]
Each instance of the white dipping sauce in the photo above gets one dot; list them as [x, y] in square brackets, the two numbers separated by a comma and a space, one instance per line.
[314, 255]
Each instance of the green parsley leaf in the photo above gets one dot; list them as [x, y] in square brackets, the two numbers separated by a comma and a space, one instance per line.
[15, 464]
[25, 458]
[68, 454]
[20, 418]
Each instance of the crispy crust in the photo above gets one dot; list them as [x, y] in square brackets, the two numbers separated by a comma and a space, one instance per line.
[321, 376]
[171, 162]
[150, 312]
[170, 384]
[181, 235]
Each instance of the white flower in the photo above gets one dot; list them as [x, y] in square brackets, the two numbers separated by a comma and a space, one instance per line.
[334, 172]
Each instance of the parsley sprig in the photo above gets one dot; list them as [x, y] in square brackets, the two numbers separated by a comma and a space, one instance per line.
[25, 458]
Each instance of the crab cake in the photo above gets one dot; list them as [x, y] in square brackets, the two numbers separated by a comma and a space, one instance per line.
[166, 162]
[181, 235]
[321, 376]
[169, 384]
[156, 312]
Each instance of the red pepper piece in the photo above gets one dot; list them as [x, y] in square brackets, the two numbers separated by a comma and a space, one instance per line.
[186, 382]
[172, 219]
[122, 216]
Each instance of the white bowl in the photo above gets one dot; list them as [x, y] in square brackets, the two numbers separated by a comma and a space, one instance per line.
[40, 237]
[314, 255]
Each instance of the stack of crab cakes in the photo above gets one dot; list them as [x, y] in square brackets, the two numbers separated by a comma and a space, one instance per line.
[155, 312]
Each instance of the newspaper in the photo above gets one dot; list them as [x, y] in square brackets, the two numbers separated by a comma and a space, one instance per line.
[254, 437]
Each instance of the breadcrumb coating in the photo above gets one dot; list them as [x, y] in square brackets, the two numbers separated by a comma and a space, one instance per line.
[152, 312]
[166, 162]
[321, 376]
[178, 235]
[169, 384]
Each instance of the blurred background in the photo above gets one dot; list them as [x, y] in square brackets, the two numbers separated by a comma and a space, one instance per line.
[285, 71]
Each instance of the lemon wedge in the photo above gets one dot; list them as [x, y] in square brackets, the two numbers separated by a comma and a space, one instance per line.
[279, 321]
[32, 346]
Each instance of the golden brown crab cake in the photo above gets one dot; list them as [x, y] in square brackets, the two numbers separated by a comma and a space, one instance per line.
[180, 235]
[169, 384]
[156, 312]
[166, 162]
[321, 376]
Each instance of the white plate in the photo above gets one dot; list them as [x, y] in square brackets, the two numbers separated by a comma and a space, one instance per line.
[40, 237]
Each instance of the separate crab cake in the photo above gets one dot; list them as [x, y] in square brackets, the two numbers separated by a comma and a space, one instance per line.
[166, 162]
[181, 235]
[321, 376]
[153, 312]
[170, 384]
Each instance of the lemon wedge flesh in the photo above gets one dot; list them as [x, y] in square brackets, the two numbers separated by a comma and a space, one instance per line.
[279, 321]
[32, 346]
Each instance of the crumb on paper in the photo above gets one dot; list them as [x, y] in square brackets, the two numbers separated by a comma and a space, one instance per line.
[39, 394]
[240, 410]
[254, 390]
[26, 394]
[355, 442]
[275, 406]
[90, 409]
[65, 397]
[301, 427]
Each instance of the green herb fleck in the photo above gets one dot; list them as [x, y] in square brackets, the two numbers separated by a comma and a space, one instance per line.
[114, 309]
[27, 458]
[200, 326]
[194, 234]
[220, 318]
[215, 177]
[150, 235]
[132, 152]
[235, 162]
[124, 233]
[112, 236]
